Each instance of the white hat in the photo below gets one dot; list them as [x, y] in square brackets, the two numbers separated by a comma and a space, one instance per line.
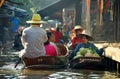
[88, 35]
[78, 27]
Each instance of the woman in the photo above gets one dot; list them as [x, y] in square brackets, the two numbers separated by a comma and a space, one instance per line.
[77, 39]
[58, 34]
[86, 44]
[50, 48]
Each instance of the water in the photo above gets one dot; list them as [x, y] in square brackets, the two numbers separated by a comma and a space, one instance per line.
[7, 71]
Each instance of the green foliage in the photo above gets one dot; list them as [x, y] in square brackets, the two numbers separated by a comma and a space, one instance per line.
[77, 56]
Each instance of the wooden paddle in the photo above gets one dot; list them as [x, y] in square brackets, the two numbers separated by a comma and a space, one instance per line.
[17, 62]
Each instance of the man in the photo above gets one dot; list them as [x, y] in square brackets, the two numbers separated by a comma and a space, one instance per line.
[33, 38]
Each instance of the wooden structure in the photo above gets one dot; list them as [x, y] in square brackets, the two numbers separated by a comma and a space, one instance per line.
[55, 8]
[111, 56]
[7, 14]
[87, 63]
[48, 62]
[102, 16]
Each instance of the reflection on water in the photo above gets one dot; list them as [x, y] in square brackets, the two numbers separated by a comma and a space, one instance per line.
[57, 74]
[7, 71]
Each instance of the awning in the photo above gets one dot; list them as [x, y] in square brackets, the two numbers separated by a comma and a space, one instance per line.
[52, 8]
[17, 11]
[9, 10]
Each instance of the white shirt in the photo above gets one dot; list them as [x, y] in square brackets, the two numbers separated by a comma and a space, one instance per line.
[33, 39]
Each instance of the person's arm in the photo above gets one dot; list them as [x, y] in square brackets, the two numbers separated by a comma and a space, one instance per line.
[75, 51]
[102, 49]
[23, 38]
[74, 42]
[45, 38]
[99, 51]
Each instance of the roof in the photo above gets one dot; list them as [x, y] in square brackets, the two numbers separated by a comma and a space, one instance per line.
[10, 9]
[52, 8]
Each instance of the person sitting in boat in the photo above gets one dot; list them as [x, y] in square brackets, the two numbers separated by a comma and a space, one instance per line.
[58, 34]
[33, 38]
[60, 48]
[86, 44]
[77, 39]
[17, 40]
[50, 47]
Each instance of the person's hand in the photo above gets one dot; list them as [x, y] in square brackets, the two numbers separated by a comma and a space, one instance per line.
[105, 45]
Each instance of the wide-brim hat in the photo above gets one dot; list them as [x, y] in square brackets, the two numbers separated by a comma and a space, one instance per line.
[78, 27]
[90, 38]
[36, 19]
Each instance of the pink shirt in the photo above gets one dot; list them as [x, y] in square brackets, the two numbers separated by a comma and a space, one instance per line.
[50, 50]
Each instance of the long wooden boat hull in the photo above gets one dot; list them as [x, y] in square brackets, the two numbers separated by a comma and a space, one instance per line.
[45, 62]
[87, 63]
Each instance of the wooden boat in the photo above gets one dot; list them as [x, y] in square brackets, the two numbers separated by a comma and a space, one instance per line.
[87, 63]
[45, 62]
[48, 62]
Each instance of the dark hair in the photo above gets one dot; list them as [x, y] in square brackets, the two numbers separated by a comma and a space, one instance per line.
[87, 37]
[58, 29]
[49, 34]
[78, 30]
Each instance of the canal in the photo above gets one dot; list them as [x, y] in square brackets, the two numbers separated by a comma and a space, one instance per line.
[7, 71]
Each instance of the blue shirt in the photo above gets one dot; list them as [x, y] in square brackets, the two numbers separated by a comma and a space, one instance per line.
[15, 24]
[88, 45]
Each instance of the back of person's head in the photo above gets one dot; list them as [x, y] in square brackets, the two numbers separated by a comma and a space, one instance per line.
[58, 29]
[49, 34]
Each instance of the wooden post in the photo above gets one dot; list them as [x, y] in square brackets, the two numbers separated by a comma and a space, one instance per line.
[118, 69]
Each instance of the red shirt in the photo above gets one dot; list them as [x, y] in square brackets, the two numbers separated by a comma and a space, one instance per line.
[75, 41]
[58, 36]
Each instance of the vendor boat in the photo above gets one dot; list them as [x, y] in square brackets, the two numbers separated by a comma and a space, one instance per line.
[87, 63]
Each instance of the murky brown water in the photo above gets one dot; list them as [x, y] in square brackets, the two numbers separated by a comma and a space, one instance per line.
[7, 71]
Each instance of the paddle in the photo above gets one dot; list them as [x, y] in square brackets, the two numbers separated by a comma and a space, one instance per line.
[17, 62]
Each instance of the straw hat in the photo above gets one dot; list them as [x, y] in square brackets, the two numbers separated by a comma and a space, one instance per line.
[78, 27]
[36, 19]
[90, 38]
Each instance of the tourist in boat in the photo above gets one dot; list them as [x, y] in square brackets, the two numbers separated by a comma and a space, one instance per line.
[58, 34]
[86, 44]
[33, 38]
[50, 47]
[77, 39]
